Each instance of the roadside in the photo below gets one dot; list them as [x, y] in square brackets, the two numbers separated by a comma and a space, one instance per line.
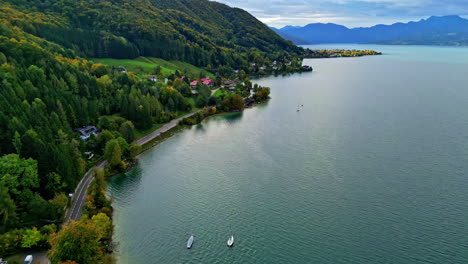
[166, 127]
[79, 196]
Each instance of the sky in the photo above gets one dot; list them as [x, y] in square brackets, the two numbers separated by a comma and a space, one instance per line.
[351, 13]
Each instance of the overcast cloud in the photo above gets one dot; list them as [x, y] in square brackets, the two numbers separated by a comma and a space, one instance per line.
[350, 13]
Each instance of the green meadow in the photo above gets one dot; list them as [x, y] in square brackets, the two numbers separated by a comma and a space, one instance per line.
[146, 65]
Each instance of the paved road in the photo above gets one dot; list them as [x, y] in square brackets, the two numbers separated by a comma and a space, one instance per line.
[164, 128]
[79, 197]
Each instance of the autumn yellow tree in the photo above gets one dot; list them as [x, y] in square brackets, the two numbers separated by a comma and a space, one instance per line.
[80, 241]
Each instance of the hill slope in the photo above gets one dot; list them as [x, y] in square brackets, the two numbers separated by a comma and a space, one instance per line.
[446, 30]
[200, 32]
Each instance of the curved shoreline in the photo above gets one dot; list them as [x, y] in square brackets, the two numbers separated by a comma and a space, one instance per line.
[177, 129]
[75, 209]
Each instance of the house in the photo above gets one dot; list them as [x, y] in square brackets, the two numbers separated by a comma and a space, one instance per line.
[194, 84]
[120, 69]
[87, 131]
[183, 78]
[230, 83]
[207, 82]
[153, 78]
[275, 68]
[232, 89]
[263, 68]
[3, 261]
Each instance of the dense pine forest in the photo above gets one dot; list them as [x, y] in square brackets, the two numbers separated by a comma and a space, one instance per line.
[49, 86]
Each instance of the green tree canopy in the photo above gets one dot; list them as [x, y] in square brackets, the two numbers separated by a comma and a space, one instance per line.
[18, 174]
[127, 131]
[113, 153]
[31, 238]
[7, 205]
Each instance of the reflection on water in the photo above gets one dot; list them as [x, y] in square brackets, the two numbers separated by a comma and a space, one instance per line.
[262, 105]
[233, 117]
[229, 118]
[200, 128]
[125, 184]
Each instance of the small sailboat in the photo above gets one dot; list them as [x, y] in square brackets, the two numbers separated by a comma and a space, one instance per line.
[230, 241]
[298, 107]
[190, 242]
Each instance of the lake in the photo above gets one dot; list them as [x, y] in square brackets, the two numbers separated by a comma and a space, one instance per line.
[372, 169]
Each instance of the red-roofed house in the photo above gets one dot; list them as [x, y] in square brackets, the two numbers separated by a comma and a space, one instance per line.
[194, 84]
[208, 82]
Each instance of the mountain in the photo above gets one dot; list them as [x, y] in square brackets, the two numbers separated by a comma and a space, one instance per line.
[295, 40]
[444, 30]
[200, 32]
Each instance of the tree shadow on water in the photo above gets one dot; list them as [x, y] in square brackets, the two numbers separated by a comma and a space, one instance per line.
[126, 183]
[229, 118]
[233, 117]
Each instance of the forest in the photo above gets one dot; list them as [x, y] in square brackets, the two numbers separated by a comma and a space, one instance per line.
[198, 31]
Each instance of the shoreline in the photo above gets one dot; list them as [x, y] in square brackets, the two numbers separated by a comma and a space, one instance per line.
[177, 129]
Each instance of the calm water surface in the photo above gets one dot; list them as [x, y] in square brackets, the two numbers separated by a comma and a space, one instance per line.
[373, 169]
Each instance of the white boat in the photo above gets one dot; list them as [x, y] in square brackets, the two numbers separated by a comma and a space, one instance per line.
[190, 242]
[230, 241]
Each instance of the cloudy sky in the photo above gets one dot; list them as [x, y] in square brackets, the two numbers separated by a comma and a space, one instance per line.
[351, 13]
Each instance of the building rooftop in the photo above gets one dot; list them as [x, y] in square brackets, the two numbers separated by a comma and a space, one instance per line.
[87, 131]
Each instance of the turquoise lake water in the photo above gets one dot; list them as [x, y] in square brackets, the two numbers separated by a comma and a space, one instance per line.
[373, 169]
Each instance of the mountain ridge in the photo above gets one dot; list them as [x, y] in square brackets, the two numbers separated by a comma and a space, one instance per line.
[435, 30]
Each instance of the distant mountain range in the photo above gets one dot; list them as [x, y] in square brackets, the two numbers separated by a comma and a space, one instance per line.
[443, 30]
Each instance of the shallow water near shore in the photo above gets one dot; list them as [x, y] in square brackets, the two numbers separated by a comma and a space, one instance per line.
[372, 169]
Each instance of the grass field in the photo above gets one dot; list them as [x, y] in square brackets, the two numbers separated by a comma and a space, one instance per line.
[146, 65]
[220, 93]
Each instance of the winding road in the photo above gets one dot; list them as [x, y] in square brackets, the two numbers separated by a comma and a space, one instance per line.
[79, 197]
